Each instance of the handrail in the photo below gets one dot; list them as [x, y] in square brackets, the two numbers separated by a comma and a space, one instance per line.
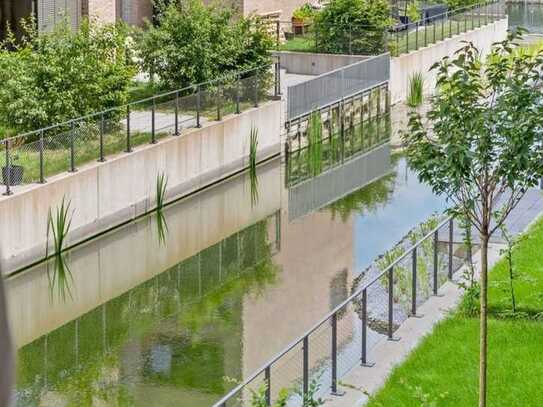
[234, 75]
[301, 338]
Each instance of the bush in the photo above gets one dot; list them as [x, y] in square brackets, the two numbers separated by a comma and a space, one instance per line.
[57, 76]
[353, 26]
[192, 43]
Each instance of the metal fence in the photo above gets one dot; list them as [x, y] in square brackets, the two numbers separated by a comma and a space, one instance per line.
[337, 182]
[326, 137]
[419, 34]
[336, 85]
[402, 38]
[33, 157]
[344, 338]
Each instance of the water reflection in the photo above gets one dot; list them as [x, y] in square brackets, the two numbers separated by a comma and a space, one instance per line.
[526, 15]
[155, 321]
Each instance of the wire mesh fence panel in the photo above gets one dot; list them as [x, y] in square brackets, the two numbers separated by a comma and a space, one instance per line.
[114, 133]
[442, 254]
[402, 290]
[24, 161]
[86, 141]
[188, 110]
[3, 161]
[377, 310]
[56, 152]
[287, 375]
[425, 270]
[320, 362]
[139, 123]
[165, 115]
[348, 339]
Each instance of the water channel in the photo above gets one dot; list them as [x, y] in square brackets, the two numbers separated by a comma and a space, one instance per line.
[173, 311]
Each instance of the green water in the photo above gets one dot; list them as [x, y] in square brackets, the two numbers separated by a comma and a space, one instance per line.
[146, 322]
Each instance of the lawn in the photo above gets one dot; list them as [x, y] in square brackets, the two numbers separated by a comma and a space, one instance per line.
[444, 368]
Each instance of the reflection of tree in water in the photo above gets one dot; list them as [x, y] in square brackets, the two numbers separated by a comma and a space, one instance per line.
[369, 198]
[182, 328]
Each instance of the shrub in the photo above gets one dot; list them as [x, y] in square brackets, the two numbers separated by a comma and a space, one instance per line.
[53, 77]
[192, 43]
[353, 26]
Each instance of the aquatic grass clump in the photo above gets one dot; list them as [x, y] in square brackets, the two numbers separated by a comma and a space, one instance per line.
[161, 184]
[58, 225]
[162, 225]
[253, 179]
[415, 95]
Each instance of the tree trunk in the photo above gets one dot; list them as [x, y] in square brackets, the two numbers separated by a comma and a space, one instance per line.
[483, 321]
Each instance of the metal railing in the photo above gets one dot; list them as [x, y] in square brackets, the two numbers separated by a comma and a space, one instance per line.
[402, 38]
[413, 36]
[337, 84]
[34, 156]
[386, 297]
[345, 128]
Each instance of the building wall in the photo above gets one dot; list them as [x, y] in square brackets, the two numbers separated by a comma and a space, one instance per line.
[286, 7]
[104, 11]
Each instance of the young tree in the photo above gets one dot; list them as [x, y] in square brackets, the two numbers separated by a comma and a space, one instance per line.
[481, 143]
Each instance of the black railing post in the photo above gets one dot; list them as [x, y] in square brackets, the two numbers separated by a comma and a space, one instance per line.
[7, 169]
[342, 128]
[416, 36]
[364, 350]
[198, 105]
[278, 34]
[219, 102]
[238, 84]
[443, 21]
[42, 166]
[425, 35]
[305, 365]
[334, 353]
[128, 144]
[414, 282]
[72, 148]
[451, 236]
[255, 85]
[435, 282]
[450, 24]
[176, 130]
[267, 378]
[390, 330]
[276, 81]
[153, 124]
[101, 152]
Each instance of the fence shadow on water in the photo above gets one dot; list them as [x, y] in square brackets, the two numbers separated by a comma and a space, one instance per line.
[35, 156]
[386, 295]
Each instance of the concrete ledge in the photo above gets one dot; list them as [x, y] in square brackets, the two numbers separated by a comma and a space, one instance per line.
[308, 63]
[104, 195]
[404, 66]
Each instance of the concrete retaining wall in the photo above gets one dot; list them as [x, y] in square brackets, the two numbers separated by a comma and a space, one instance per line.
[106, 194]
[306, 63]
[404, 66]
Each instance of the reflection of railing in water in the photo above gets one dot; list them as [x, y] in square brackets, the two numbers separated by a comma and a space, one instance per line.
[186, 292]
[377, 299]
[333, 184]
[330, 135]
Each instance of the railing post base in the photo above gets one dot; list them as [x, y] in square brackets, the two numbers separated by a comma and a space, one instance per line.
[395, 339]
[337, 393]
[416, 315]
[367, 364]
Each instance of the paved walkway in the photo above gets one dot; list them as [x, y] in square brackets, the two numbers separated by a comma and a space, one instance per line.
[361, 381]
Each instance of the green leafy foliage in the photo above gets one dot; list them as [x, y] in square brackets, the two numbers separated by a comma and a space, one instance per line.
[353, 26]
[306, 12]
[53, 77]
[192, 43]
